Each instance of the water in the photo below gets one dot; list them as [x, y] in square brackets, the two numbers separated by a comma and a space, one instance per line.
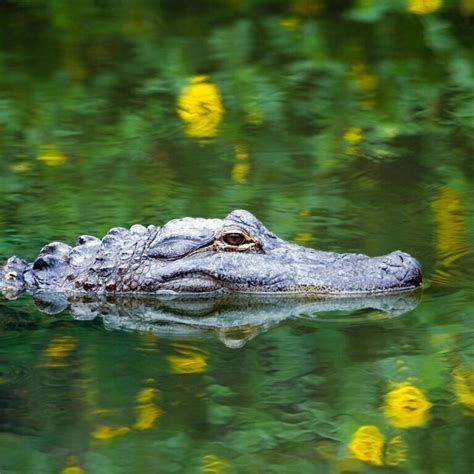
[345, 128]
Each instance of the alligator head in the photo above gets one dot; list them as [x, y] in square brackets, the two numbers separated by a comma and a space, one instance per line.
[194, 255]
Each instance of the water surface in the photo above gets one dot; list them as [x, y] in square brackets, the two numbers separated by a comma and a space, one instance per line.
[342, 127]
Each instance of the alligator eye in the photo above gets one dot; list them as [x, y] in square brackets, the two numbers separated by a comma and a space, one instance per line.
[234, 238]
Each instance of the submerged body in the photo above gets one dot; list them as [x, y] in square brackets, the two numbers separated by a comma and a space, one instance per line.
[194, 255]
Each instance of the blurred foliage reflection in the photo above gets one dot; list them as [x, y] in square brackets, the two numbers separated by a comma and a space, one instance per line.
[344, 125]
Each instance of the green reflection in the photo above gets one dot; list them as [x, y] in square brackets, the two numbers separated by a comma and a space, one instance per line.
[345, 126]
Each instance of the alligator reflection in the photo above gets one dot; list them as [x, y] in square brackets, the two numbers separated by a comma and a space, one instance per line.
[234, 319]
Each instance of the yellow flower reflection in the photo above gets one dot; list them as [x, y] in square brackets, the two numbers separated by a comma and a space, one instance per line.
[241, 152]
[213, 464]
[365, 80]
[423, 7]
[147, 411]
[396, 451]
[367, 445]
[72, 470]
[463, 385]
[72, 466]
[241, 169]
[406, 406]
[200, 107]
[353, 135]
[58, 349]
[21, 167]
[467, 7]
[147, 342]
[106, 433]
[303, 237]
[239, 173]
[448, 214]
[190, 360]
[51, 155]
[147, 415]
[290, 23]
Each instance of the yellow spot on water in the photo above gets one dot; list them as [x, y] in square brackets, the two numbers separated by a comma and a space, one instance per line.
[57, 350]
[60, 346]
[367, 445]
[467, 7]
[463, 385]
[213, 464]
[364, 79]
[102, 411]
[72, 470]
[303, 237]
[423, 7]
[106, 433]
[21, 167]
[200, 107]
[241, 152]
[304, 212]
[190, 360]
[240, 172]
[147, 412]
[51, 155]
[199, 78]
[146, 395]
[72, 466]
[147, 343]
[290, 23]
[406, 406]
[353, 135]
[396, 451]
[448, 214]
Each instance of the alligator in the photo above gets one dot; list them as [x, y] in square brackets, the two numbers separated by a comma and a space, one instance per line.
[196, 255]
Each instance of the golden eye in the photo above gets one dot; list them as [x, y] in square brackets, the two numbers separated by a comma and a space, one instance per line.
[234, 238]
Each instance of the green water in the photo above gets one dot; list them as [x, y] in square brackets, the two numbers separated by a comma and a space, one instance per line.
[344, 126]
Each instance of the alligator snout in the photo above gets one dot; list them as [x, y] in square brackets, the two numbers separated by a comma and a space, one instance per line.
[403, 267]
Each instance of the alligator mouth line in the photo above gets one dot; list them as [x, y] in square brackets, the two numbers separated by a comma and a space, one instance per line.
[325, 292]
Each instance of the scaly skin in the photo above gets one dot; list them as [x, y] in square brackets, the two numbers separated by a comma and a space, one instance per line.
[193, 255]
